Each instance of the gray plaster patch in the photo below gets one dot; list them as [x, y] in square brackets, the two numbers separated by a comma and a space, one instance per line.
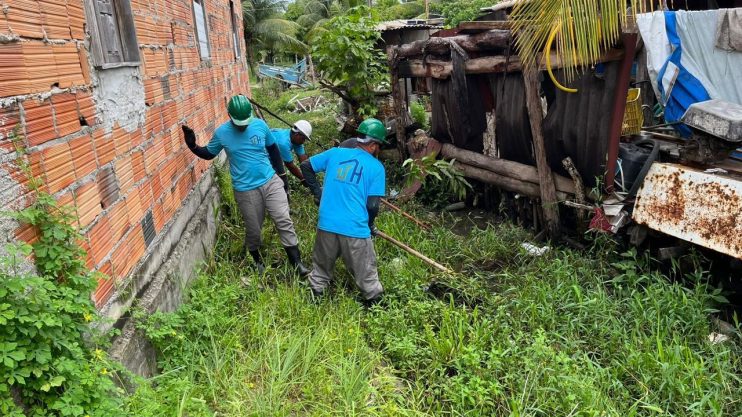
[10, 192]
[119, 97]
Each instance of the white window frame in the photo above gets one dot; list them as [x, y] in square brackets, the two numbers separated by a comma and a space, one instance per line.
[204, 49]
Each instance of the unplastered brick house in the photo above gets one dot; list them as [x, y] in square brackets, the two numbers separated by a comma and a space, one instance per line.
[96, 91]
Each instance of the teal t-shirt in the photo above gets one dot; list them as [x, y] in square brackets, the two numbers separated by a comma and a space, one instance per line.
[283, 140]
[249, 163]
[351, 176]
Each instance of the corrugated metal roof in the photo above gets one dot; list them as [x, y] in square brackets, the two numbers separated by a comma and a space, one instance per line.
[410, 24]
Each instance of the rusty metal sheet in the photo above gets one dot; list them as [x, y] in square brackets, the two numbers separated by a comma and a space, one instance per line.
[699, 207]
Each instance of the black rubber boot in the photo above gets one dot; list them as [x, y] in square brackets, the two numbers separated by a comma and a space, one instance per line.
[258, 258]
[373, 301]
[292, 252]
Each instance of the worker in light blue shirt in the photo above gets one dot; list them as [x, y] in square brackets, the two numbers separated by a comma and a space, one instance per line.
[354, 183]
[258, 178]
[290, 142]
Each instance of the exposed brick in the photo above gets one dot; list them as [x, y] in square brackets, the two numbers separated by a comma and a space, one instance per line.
[24, 18]
[101, 241]
[76, 14]
[39, 121]
[134, 207]
[152, 91]
[60, 172]
[10, 119]
[158, 216]
[119, 260]
[105, 286]
[88, 203]
[136, 246]
[86, 108]
[105, 148]
[66, 202]
[122, 141]
[124, 173]
[137, 165]
[40, 65]
[145, 195]
[108, 187]
[13, 72]
[83, 156]
[82, 54]
[66, 117]
[119, 220]
[54, 19]
[27, 233]
[68, 68]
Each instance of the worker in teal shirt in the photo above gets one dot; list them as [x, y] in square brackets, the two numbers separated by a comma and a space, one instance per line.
[354, 183]
[290, 142]
[258, 177]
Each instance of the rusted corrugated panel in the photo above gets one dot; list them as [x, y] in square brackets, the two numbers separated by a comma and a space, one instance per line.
[705, 209]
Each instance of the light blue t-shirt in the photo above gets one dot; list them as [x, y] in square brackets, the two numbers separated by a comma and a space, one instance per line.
[283, 140]
[249, 163]
[351, 176]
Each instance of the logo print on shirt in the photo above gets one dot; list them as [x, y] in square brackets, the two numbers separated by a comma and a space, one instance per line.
[256, 140]
[349, 167]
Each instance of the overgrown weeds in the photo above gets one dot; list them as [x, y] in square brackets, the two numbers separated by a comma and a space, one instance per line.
[594, 333]
[560, 334]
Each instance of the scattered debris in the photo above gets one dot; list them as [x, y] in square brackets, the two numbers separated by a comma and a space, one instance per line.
[308, 104]
[716, 338]
[534, 250]
[455, 206]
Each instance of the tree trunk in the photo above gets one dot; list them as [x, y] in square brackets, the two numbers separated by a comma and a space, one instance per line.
[546, 180]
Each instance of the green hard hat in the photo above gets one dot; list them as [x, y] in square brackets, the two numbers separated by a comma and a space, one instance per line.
[240, 110]
[374, 129]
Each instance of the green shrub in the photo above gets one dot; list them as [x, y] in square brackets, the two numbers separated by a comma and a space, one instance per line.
[51, 362]
[419, 115]
[49, 365]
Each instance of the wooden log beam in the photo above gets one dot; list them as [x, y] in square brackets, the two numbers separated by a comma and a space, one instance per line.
[549, 203]
[503, 167]
[502, 181]
[413, 68]
[489, 40]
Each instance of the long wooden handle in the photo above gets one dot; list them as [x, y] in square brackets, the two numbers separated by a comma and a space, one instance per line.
[413, 252]
[406, 215]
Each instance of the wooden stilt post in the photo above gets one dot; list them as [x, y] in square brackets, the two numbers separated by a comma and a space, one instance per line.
[399, 105]
[547, 189]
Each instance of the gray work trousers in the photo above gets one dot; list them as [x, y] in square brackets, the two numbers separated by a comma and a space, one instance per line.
[253, 204]
[358, 255]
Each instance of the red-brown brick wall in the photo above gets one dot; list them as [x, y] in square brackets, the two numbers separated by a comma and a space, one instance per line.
[46, 90]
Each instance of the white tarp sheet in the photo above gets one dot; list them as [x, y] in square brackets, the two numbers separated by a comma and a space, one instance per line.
[719, 71]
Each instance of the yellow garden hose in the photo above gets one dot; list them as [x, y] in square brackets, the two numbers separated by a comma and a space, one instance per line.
[547, 55]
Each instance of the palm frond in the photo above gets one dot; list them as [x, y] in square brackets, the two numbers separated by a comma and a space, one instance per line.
[585, 29]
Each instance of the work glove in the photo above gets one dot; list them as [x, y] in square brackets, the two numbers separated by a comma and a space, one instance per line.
[374, 230]
[304, 183]
[285, 179]
[318, 197]
[189, 136]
